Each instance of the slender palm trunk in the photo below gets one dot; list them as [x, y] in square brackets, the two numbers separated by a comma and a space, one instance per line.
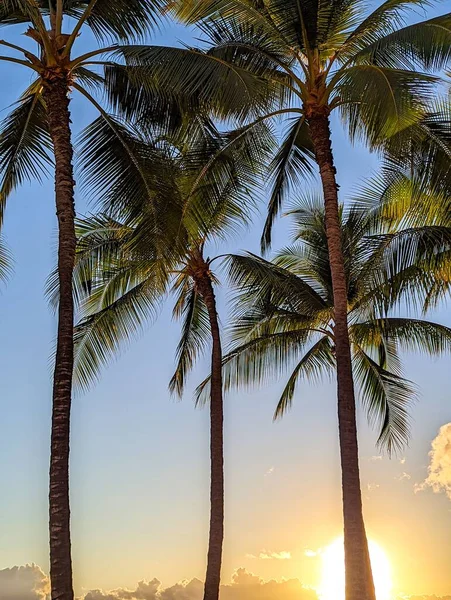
[57, 103]
[359, 579]
[214, 561]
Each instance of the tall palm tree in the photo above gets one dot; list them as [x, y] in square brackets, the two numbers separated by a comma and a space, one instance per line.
[121, 273]
[36, 134]
[318, 57]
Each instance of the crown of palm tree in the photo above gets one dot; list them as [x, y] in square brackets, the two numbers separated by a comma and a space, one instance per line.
[284, 319]
[130, 77]
[321, 56]
[123, 268]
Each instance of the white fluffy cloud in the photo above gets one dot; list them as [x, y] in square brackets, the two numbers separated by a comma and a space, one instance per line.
[24, 583]
[439, 471]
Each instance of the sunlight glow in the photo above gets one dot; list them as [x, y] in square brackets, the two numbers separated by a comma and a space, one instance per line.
[333, 572]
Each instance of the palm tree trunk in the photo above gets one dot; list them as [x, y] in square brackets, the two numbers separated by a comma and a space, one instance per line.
[359, 579]
[214, 561]
[57, 104]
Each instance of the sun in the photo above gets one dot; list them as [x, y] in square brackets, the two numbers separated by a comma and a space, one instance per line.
[333, 572]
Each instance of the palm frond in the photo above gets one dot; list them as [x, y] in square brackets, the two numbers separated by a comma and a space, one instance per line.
[257, 278]
[378, 102]
[119, 19]
[99, 336]
[426, 44]
[258, 361]
[5, 261]
[227, 89]
[25, 145]
[293, 161]
[318, 361]
[386, 397]
[135, 179]
[388, 16]
[195, 334]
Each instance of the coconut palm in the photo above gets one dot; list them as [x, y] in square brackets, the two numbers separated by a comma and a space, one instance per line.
[319, 57]
[122, 275]
[36, 134]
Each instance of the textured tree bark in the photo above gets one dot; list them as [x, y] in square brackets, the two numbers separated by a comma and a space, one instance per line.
[58, 114]
[214, 560]
[359, 579]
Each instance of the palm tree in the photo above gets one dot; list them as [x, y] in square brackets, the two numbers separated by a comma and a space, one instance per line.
[122, 274]
[33, 136]
[318, 57]
[285, 320]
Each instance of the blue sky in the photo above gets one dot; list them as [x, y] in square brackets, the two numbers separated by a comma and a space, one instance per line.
[139, 463]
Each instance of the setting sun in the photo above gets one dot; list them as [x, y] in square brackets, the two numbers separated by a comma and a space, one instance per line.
[333, 573]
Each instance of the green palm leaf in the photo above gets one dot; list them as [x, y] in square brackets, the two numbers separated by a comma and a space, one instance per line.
[195, 334]
[318, 361]
[426, 44]
[386, 397]
[401, 100]
[25, 145]
[293, 161]
[5, 261]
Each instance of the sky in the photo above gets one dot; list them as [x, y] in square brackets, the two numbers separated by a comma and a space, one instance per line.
[139, 459]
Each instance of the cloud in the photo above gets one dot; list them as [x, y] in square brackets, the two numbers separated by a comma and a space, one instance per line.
[424, 597]
[375, 458]
[30, 583]
[270, 471]
[144, 591]
[404, 476]
[403, 460]
[247, 586]
[283, 555]
[439, 470]
[267, 555]
[312, 553]
[24, 583]
[372, 486]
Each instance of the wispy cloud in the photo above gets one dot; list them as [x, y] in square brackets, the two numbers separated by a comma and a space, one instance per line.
[372, 486]
[270, 471]
[404, 477]
[439, 470]
[312, 553]
[375, 458]
[267, 555]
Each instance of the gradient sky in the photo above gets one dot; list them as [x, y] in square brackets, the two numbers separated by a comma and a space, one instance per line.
[139, 463]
